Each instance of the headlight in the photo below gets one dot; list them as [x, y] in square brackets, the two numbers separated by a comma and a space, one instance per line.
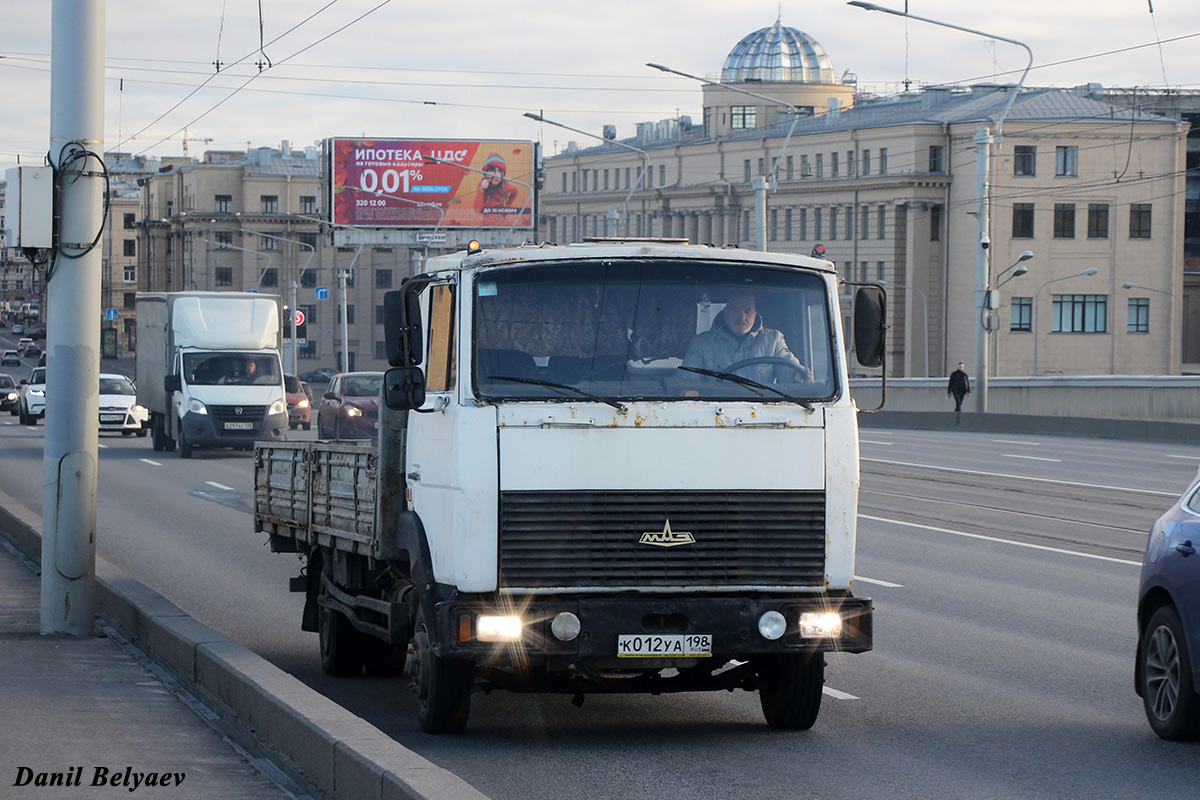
[353, 412]
[818, 625]
[12, 395]
[138, 410]
[772, 625]
[279, 407]
[565, 626]
[302, 404]
[197, 407]
[498, 629]
[38, 392]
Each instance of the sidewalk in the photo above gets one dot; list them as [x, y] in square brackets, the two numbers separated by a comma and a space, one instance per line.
[88, 714]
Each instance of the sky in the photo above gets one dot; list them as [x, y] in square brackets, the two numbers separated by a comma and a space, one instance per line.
[469, 69]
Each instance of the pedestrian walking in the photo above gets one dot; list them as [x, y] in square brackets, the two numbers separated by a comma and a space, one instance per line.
[959, 385]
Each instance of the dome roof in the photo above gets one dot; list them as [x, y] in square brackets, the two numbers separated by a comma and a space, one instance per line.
[778, 54]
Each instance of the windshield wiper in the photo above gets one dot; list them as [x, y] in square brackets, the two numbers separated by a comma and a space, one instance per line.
[539, 382]
[753, 384]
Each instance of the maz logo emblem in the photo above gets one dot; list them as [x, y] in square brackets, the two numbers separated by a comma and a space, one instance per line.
[667, 537]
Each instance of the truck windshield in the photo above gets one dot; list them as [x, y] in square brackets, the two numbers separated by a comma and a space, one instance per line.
[214, 369]
[627, 329]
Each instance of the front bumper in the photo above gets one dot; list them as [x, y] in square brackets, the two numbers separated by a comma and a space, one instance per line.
[122, 419]
[202, 430]
[35, 405]
[732, 621]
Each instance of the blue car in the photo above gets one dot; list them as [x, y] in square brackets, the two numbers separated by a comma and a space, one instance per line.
[1167, 674]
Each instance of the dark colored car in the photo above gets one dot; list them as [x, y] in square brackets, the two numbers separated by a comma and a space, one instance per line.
[1168, 656]
[8, 394]
[322, 376]
[350, 406]
[38, 335]
[33, 351]
[299, 402]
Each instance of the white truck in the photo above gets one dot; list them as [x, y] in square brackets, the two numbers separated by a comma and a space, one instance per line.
[565, 498]
[208, 369]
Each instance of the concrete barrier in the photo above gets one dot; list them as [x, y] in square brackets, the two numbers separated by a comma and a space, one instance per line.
[316, 742]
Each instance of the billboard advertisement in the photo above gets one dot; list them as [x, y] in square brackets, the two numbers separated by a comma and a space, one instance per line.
[423, 183]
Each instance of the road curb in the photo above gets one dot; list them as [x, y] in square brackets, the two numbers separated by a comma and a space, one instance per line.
[313, 739]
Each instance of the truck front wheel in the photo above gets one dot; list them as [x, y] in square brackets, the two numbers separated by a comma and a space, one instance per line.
[442, 686]
[790, 689]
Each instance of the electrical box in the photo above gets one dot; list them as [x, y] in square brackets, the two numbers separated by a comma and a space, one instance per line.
[29, 207]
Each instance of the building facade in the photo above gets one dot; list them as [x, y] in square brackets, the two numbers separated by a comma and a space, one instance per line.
[890, 188]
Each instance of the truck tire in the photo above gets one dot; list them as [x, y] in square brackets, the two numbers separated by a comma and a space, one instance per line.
[185, 447]
[1165, 671]
[790, 688]
[442, 686]
[341, 645]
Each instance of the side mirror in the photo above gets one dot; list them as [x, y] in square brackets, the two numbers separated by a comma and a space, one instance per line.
[402, 324]
[329, 396]
[172, 383]
[870, 325]
[404, 388]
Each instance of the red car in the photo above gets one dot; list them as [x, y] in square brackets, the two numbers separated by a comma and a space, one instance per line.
[350, 407]
[299, 403]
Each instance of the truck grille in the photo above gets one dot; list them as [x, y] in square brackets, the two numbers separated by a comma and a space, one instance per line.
[744, 538]
[222, 414]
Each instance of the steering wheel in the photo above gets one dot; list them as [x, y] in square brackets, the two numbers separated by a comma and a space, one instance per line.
[805, 373]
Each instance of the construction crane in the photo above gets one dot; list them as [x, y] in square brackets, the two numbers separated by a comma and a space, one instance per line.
[185, 138]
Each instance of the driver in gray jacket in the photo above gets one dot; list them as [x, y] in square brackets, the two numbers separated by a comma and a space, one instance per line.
[739, 335]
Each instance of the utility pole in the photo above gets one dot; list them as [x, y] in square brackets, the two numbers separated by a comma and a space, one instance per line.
[72, 301]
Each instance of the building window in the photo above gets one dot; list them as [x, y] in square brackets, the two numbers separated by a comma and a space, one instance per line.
[883, 161]
[223, 276]
[1022, 223]
[308, 204]
[1064, 220]
[879, 270]
[1066, 161]
[129, 247]
[269, 203]
[223, 203]
[383, 279]
[606, 180]
[1024, 160]
[833, 165]
[804, 224]
[583, 175]
[307, 240]
[564, 183]
[762, 166]
[833, 224]
[130, 274]
[662, 174]
[130, 221]
[270, 277]
[744, 117]
[865, 219]
[129, 299]
[936, 161]
[817, 224]
[881, 223]
[1022, 314]
[850, 222]
[1098, 221]
[746, 170]
[170, 208]
[224, 240]
[1139, 221]
[774, 225]
[805, 169]
[787, 225]
[866, 162]
[820, 165]
[789, 168]
[935, 223]
[1139, 315]
[1079, 313]
[849, 164]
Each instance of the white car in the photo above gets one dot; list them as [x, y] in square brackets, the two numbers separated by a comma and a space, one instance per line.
[119, 410]
[31, 402]
[23, 343]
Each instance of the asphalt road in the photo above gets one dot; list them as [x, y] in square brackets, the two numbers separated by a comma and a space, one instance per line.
[1004, 571]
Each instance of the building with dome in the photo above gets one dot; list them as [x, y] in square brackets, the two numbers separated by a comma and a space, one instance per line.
[888, 185]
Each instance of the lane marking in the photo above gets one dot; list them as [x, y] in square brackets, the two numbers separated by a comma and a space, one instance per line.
[876, 582]
[1173, 495]
[836, 695]
[152, 463]
[998, 540]
[869, 441]
[1013, 441]
[1032, 458]
[1169, 455]
[102, 446]
[220, 485]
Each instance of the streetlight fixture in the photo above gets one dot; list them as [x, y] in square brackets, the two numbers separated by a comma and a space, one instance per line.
[1018, 268]
[983, 143]
[760, 181]
[1088, 271]
[925, 300]
[645, 156]
[226, 246]
[1171, 324]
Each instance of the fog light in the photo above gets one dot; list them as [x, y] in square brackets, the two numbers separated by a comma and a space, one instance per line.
[565, 626]
[821, 625]
[772, 625]
[498, 629]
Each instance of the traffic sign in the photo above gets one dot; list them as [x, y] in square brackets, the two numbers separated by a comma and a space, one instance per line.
[300, 317]
[110, 313]
[322, 292]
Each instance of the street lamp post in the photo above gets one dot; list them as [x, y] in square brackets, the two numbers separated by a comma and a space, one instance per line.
[1088, 271]
[645, 158]
[925, 300]
[1171, 323]
[342, 277]
[1018, 269]
[760, 181]
[983, 142]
